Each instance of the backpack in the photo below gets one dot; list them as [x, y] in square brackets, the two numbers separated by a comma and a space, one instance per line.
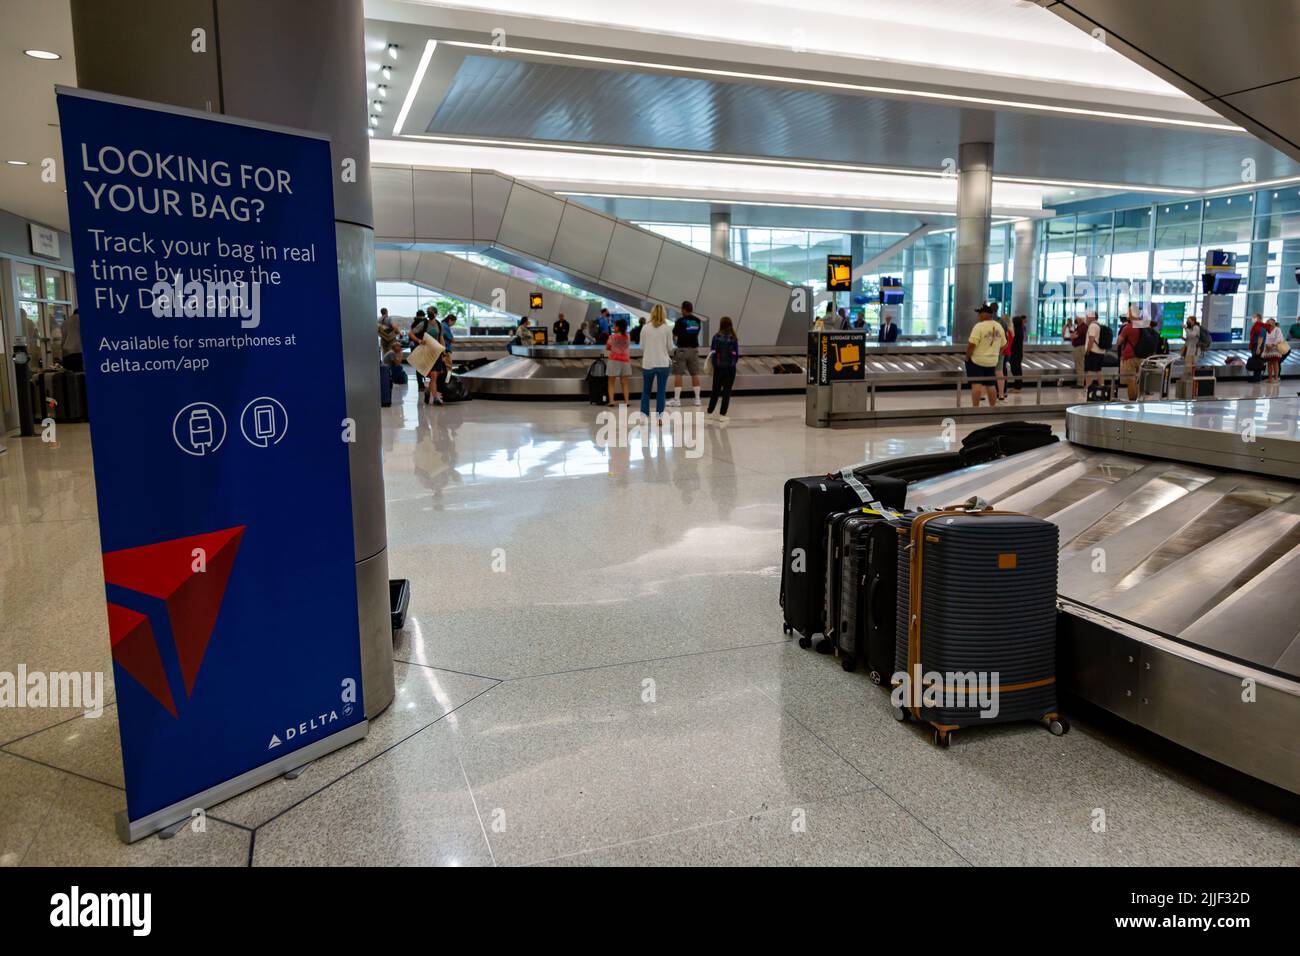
[1105, 338]
[723, 356]
[1148, 343]
[1204, 336]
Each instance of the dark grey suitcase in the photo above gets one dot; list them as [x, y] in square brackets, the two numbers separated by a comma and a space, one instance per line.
[977, 611]
[854, 592]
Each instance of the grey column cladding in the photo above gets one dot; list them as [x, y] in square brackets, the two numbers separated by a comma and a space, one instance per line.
[974, 217]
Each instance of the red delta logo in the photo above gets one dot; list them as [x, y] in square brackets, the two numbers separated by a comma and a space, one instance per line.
[166, 570]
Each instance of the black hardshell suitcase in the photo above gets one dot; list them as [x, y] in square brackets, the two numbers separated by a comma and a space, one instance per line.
[880, 599]
[831, 587]
[865, 536]
[977, 595]
[808, 502]
[385, 386]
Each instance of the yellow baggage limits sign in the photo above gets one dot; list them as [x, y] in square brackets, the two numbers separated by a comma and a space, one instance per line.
[839, 273]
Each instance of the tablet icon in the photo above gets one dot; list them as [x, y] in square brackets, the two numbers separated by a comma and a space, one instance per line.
[264, 422]
[199, 429]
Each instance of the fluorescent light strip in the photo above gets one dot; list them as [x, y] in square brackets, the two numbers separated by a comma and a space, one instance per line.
[789, 163]
[852, 87]
[779, 205]
[416, 80]
[754, 202]
[1124, 187]
[689, 157]
[1251, 187]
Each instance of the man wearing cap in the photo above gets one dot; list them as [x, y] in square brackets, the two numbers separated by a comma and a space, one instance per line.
[983, 352]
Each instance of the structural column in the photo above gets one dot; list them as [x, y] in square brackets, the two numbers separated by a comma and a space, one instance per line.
[1024, 273]
[974, 218]
[263, 61]
[720, 234]
[936, 257]
[1257, 268]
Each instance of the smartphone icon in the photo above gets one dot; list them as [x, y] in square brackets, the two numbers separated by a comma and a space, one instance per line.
[264, 421]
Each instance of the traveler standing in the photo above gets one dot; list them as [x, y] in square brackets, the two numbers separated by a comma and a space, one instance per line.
[686, 358]
[618, 360]
[656, 339]
[73, 360]
[983, 351]
[888, 330]
[1019, 327]
[1258, 333]
[1094, 352]
[561, 329]
[845, 322]
[1004, 361]
[387, 331]
[437, 374]
[603, 327]
[1275, 349]
[635, 334]
[1193, 348]
[724, 353]
[523, 332]
[1077, 336]
[418, 328]
[1129, 360]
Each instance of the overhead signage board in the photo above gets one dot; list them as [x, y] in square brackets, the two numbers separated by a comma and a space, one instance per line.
[207, 278]
[839, 273]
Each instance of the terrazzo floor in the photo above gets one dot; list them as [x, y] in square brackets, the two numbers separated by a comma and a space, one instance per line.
[593, 671]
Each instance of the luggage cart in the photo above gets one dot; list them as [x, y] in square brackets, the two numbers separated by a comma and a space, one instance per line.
[1153, 375]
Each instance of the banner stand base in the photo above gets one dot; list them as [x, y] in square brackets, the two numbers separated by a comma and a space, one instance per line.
[131, 830]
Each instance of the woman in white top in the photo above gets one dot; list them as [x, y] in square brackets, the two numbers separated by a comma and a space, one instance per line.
[656, 359]
[1274, 342]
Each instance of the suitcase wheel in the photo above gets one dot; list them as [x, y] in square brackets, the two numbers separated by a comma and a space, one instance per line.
[942, 738]
[1058, 725]
[787, 628]
[876, 678]
[848, 662]
[900, 714]
[825, 646]
[805, 642]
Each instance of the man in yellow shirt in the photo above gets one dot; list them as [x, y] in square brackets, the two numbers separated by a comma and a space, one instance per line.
[983, 352]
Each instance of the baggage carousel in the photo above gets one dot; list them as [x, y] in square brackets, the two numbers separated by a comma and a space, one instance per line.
[1179, 563]
[559, 371]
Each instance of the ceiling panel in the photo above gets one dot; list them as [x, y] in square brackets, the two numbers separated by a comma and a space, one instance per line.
[1221, 47]
[512, 98]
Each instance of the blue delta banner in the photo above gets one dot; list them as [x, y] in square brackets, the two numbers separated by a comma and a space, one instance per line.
[208, 287]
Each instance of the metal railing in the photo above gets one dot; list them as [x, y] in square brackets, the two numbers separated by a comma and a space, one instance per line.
[960, 382]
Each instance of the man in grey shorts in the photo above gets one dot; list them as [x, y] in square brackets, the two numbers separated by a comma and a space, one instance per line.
[686, 356]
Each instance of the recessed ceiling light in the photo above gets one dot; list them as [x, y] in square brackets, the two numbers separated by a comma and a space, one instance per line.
[378, 105]
[386, 72]
[42, 55]
[16, 162]
[374, 120]
[382, 90]
[392, 51]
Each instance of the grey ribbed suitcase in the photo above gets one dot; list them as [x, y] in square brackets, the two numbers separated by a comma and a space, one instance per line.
[977, 610]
